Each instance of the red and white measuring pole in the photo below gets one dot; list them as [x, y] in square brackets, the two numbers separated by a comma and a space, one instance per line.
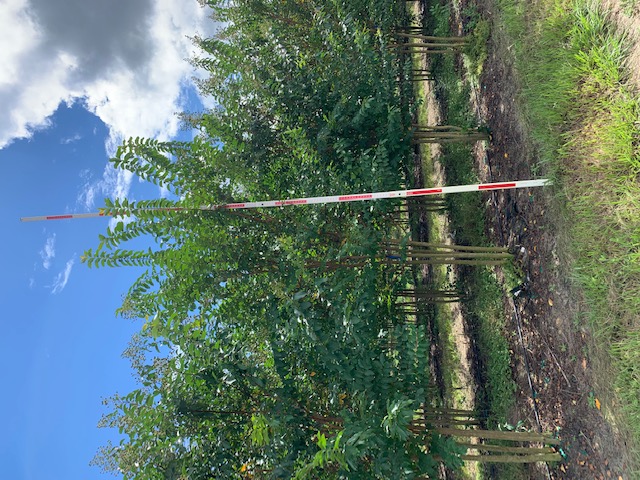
[358, 197]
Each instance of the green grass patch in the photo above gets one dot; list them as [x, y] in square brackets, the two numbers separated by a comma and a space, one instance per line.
[584, 117]
[466, 214]
[442, 316]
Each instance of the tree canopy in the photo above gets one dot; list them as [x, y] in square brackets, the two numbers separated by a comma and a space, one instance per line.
[272, 346]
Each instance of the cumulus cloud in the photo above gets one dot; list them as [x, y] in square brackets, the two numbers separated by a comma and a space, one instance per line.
[61, 279]
[124, 59]
[164, 192]
[48, 252]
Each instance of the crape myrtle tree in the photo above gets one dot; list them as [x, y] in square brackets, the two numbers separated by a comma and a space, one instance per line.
[282, 364]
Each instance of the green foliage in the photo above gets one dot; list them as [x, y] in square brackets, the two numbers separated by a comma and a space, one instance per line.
[399, 416]
[259, 430]
[478, 37]
[329, 453]
[286, 358]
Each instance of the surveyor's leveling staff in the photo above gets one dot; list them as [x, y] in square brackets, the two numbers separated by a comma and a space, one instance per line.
[419, 192]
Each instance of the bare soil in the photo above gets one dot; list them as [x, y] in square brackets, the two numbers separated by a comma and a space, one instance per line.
[563, 364]
[561, 374]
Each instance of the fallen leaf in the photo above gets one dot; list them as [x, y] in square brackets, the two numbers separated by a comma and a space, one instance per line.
[550, 303]
[597, 402]
[506, 155]
[584, 363]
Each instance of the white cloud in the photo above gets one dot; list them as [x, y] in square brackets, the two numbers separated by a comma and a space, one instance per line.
[124, 59]
[73, 138]
[18, 36]
[114, 184]
[60, 280]
[48, 252]
[164, 191]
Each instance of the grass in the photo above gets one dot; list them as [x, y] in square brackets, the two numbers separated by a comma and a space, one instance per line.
[585, 119]
[630, 7]
[443, 318]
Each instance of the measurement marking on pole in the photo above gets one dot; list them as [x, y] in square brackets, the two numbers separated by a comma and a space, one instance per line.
[230, 206]
[312, 200]
[493, 186]
[427, 191]
[354, 198]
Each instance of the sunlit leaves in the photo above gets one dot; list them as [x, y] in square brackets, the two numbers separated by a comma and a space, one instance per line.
[269, 349]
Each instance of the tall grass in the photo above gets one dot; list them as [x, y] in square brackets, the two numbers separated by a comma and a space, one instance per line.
[585, 118]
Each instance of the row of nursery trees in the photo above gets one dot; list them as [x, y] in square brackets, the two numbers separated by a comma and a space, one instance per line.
[274, 342]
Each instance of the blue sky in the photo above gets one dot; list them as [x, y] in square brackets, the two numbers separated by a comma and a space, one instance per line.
[72, 87]
[61, 341]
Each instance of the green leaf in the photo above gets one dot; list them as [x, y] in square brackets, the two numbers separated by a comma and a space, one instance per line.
[322, 440]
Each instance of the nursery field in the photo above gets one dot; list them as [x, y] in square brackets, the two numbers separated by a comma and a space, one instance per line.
[557, 88]
[476, 335]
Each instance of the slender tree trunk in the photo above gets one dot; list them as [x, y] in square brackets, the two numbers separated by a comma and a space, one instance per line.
[504, 448]
[431, 38]
[546, 457]
[446, 134]
[444, 246]
[499, 435]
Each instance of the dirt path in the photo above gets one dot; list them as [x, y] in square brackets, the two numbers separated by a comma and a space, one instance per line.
[463, 374]
[563, 366]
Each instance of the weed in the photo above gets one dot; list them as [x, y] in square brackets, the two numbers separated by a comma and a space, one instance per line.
[476, 49]
[630, 7]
